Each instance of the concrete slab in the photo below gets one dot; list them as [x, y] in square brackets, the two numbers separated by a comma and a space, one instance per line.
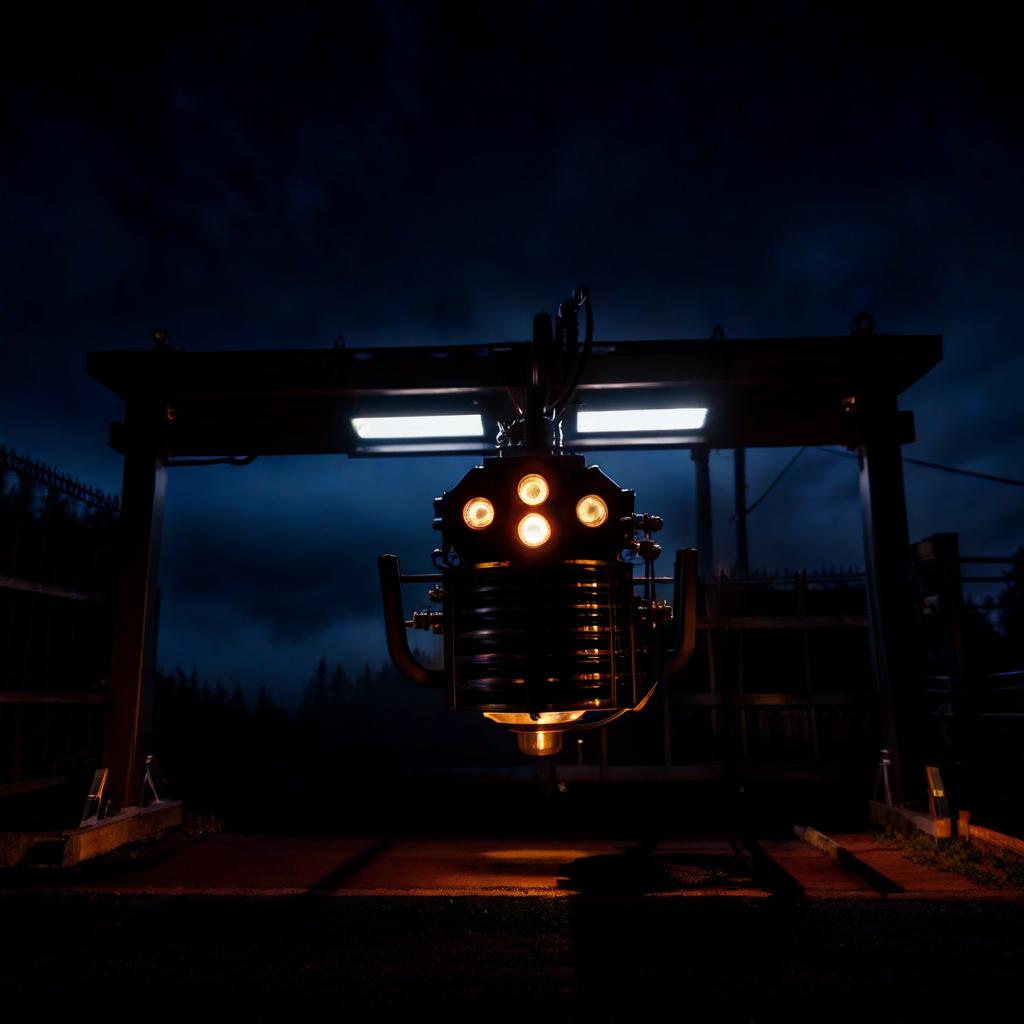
[68, 847]
[233, 865]
[475, 865]
[698, 846]
[228, 865]
[915, 879]
[909, 823]
[820, 876]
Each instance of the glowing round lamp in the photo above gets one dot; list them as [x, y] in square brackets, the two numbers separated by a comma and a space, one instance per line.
[591, 510]
[534, 530]
[533, 489]
[478, 513]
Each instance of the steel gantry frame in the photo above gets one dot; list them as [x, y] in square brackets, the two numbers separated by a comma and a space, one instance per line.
[183, 407]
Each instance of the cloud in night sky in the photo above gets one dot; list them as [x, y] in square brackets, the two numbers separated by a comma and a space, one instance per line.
[404, 175]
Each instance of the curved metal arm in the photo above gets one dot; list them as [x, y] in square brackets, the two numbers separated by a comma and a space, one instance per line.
[394, 625]
[685, 617]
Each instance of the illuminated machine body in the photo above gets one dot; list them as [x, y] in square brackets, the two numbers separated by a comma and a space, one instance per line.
[540, 616]
[543, 617]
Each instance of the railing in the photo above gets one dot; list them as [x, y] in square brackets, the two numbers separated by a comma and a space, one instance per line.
[779, 725]
[989, 606]
[55, 482]
[56, 546]
[984, 560]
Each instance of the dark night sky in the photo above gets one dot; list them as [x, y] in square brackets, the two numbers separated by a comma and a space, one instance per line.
[403, 173]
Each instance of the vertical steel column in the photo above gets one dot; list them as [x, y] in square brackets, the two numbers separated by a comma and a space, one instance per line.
[128, 728]
[538, 426]
[740, 481]
[890, 602]
[800, 587]
[705, 555]
[961, 672]
[943, 550]
[666, 723]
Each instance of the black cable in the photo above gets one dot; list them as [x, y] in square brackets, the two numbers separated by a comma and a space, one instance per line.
[515, 402]
[227, 460]
[906, 458]
[582, 297]
[936, 465]
[785, 469]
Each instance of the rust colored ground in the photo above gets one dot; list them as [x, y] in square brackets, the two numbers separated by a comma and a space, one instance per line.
[541, 929]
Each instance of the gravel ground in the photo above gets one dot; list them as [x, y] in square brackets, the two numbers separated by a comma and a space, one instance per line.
[729, 958]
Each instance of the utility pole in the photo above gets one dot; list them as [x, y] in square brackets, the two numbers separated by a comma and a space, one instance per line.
[705, 555]
[740, 468]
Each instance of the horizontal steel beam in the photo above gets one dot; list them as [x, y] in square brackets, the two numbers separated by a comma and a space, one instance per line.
[9, 789]
[45, 697]
[764, 392]
[727, 622]
[894, 362]
[772, 700]
[781, 772]
[208, 430]
[49, 590]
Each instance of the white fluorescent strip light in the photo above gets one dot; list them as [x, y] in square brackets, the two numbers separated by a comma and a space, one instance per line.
[605, 421]
[373, 428]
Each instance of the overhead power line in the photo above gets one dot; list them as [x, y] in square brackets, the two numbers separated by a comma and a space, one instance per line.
[916, 462]
[768, 490]
[937, 465]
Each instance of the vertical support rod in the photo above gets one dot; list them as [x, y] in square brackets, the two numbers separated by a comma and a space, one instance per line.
[886, 553]
[945, 549]
[960, 669]
[724, 731]
[128, 727]
[800, 586]
[538, 427]
[740, 480]
[25, 484]
[666, 722]
[705, 555]
[744, 713]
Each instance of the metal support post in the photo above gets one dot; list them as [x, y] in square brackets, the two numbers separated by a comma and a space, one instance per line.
[128, 730]
[938, 567]
[705, 555]
[890, 602]
[740, 479]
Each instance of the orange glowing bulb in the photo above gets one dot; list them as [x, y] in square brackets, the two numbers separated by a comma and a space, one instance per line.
[533, 489]
[591, 510]
[534, 530]
[478, 513]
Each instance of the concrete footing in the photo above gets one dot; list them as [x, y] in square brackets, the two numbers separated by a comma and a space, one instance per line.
[68, 847]
[908, 822]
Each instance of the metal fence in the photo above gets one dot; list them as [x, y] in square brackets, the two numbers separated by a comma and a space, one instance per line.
[56, 558]
[779, 689]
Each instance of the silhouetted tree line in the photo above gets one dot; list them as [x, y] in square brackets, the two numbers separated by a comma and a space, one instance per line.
[349, 749]
[356, 750]
[345, 752]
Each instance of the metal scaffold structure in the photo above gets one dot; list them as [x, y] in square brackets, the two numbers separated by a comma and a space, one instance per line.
[192, 408]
